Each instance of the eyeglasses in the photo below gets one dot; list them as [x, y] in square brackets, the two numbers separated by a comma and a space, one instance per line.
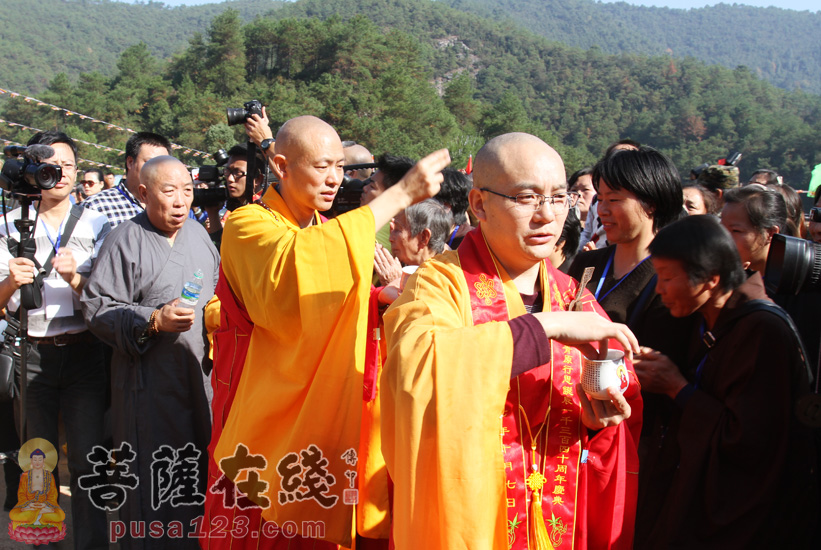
[237, 174]
[815, 215]
[90, 182]
[558, 202]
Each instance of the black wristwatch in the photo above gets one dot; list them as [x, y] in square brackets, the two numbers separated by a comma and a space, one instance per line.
[265, 143]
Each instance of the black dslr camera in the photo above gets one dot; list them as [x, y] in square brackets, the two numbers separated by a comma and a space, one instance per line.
[350, 190]
[217, 192]
[28, 176]
[239, 116]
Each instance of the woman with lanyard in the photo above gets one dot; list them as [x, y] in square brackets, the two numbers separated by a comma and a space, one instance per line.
[639, 192]
[735, 470]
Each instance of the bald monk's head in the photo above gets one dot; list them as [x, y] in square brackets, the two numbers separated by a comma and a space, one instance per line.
[519, 233]
[309, 162]
[358, 154]
[167, 191]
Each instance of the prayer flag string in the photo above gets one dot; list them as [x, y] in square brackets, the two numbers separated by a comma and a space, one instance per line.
[109, 125]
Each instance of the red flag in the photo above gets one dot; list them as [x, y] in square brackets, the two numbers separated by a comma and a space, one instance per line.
[469, 167]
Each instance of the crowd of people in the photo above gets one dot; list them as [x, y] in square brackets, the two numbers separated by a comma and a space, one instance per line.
[267, 372]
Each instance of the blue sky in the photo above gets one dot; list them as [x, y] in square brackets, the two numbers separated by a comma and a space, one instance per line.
[799, 5]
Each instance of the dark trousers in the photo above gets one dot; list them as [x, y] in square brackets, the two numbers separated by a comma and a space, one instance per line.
[71, 380]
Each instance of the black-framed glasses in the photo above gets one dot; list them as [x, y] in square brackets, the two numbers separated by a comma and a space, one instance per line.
[237, 174]
[558, 202]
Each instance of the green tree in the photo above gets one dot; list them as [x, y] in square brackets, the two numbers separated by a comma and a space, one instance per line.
[226, 53]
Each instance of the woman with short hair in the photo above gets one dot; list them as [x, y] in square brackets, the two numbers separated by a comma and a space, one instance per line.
[735, 462]
[753, 214]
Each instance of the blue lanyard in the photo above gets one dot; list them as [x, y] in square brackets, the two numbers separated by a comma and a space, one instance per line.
[55, 244]
[453, 235]
[604, 276]
[128, 197]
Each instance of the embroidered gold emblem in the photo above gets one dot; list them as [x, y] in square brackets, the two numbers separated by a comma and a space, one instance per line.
[484, 289]
[536, 481]
[558, 529]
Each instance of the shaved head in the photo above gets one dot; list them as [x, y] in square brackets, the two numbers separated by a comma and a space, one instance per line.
[301, 133]
[309, 162]
[520, 236]
[357, 154]
[158, 166]
[167, 191]
[516, 156]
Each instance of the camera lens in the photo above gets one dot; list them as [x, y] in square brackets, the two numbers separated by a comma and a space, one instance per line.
[43, 176]
[236, 116]
[793, 265]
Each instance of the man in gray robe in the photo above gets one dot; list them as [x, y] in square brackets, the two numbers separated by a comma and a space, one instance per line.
[160, 389]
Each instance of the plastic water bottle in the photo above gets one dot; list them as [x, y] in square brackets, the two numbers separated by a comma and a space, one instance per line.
[191, 290]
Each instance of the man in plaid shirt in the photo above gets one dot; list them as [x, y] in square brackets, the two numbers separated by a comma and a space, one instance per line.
[120, 203]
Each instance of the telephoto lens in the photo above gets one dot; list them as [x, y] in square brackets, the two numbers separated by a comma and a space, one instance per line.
[793, 265]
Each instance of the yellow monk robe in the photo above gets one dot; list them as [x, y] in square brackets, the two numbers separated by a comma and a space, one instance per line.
[444, 391]
[414, 443]
[299, 399]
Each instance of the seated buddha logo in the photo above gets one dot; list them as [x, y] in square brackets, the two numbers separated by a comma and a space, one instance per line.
[37, 518]
[624, 378]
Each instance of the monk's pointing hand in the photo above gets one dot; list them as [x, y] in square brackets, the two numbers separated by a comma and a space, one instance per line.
[173, 318]
[424, 179]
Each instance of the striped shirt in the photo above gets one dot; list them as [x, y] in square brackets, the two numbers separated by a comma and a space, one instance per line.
[85, 241]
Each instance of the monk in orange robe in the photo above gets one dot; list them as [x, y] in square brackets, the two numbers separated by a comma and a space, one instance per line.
[488, 438]
[289, 354]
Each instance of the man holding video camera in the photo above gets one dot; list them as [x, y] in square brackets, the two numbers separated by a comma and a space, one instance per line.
[66, 370]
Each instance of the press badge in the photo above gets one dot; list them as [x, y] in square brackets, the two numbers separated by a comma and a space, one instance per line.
[58, 298]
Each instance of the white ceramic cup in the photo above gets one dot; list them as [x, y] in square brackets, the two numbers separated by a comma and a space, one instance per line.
[600, 374]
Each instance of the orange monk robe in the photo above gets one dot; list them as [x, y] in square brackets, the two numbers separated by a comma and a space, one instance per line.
[444, 389]
[373, 519]
[306, 291]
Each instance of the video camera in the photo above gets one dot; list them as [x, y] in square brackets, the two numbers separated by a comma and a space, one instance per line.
[793, 265]
[350, 190]
[217, 192]
[29, 176]
[240, 115]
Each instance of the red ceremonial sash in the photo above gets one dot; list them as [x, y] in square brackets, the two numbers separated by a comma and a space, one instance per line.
[546, 393]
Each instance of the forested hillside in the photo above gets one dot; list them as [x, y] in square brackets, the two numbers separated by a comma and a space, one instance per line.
[415, 75]
[39, 39]
[781, 46]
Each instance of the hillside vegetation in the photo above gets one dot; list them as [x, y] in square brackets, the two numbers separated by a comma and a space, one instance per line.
[413, 75]
[781, 46]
